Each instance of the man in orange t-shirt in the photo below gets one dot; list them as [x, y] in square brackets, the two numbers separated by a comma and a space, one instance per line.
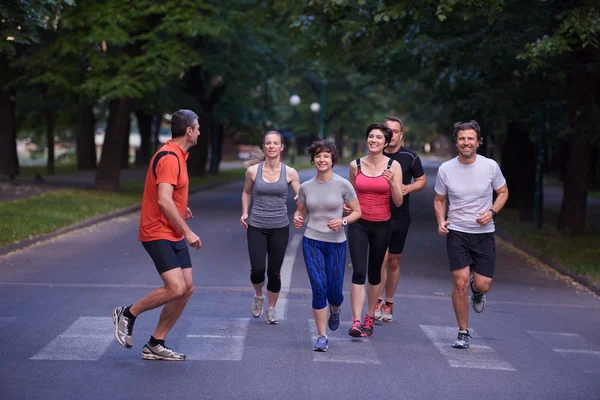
[166, 237]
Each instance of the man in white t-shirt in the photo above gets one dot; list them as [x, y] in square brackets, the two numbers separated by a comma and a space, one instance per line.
[468, 182]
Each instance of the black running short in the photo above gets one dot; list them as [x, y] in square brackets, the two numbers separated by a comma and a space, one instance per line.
[475, 250]
[399, 224]
[168, 255]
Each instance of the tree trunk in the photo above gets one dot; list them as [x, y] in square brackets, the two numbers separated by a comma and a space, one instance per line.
[49, 120]
[199, 153]
[575, 189]
[216, 145]
[125, 144]
[339, 142]
[109, 170]
[86, 141]
[156, 123]
[143, 155]
[9, 161]
[510, 165]
[581, 117]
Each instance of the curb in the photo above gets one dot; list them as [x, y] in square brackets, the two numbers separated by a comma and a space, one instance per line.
[551, 262]
[4, 250]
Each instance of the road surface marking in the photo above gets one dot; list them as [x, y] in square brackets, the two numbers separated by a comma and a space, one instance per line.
[343, 348]
[4, 321]
[86, 339]
[572, 347]
[220, 289]
[476, 356]
[220, 339]
[286, 276]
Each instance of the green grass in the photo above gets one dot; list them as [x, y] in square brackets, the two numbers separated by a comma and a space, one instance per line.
[580, 255]
[50, 211]
[56, 209]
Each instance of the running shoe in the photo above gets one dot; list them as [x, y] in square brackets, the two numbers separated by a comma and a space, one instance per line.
[387, 310]
[367, 327]
[322, 344]
[257, 306]
[356, 329]
[123, 327]
[478, 299]
[161, 352]
[334, 319]
[378, 311]
[462, 342]
[271, 317]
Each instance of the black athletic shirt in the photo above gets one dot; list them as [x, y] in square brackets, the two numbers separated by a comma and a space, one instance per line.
[411, 168]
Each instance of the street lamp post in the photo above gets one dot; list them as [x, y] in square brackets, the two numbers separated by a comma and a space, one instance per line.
[315, 108]
[294, 102]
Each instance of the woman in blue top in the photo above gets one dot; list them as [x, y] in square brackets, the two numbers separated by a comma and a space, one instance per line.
[267, 181]
[324, 242]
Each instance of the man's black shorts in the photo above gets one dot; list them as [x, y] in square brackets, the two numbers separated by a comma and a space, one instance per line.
[168, 255]
[475, 250]
[399, 225]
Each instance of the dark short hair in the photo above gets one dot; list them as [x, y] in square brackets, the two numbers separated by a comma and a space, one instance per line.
[387, 132]
[323, 146]
[396, 119]
[181, 120]
[465, 126]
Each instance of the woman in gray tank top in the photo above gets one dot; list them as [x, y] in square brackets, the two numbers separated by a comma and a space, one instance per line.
[266, 185]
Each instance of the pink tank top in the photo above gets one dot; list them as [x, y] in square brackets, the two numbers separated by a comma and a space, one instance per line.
[373, 194]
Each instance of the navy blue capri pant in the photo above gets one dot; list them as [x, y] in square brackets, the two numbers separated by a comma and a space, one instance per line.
[325, 264]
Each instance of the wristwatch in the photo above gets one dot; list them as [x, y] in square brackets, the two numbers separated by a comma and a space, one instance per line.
[494, 213]
[344, 221]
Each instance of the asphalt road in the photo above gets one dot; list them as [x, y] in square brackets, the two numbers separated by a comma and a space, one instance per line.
[539, 337]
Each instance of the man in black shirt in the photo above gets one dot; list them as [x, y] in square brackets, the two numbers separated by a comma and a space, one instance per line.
[400, 221]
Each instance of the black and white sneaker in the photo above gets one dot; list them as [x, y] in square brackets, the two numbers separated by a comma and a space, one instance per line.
[161, 352]
[478, 299]
[462, 342]
[123, 327]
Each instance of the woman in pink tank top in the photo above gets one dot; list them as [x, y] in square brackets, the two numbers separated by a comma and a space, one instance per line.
[376, 178]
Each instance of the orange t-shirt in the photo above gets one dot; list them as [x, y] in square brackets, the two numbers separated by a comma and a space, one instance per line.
[154, 224]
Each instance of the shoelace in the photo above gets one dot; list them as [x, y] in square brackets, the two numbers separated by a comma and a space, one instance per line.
[463, 336]
[128, 325]
[162, 347]
[368, 322]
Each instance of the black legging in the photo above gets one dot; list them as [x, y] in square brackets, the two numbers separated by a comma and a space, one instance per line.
[262, 242]
[367, 239]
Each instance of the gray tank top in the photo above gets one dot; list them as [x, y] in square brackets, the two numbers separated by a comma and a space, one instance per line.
[269, 208]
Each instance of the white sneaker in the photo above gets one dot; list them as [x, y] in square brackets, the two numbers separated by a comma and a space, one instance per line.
[257, 306]
[271, 317]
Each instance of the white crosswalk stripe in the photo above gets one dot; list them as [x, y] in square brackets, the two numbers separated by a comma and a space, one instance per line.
[216, 339]
[86, 339]
[5, 321]
[343, 348]
[224, 339]
[476, 356]
[573, 348]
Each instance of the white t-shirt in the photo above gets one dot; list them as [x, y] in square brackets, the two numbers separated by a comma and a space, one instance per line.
[469, 189]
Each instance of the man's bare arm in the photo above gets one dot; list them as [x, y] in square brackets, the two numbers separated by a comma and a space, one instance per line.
[168, 207]
[418, 184]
